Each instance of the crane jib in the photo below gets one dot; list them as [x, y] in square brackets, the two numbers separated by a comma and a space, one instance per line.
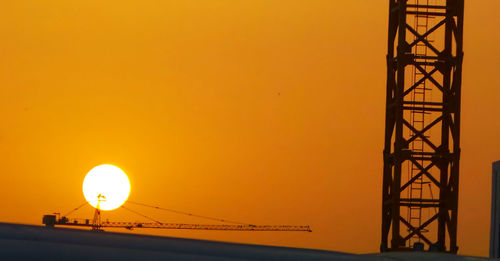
[52, 220]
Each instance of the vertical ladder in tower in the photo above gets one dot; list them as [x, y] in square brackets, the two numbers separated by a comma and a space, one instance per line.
[418, 118]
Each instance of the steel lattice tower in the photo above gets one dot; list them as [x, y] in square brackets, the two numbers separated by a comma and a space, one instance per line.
[422, 133]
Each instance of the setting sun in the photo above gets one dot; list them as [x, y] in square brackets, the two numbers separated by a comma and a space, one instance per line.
[107, 186]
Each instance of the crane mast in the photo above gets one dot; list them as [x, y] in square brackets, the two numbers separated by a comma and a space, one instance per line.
[422, 132]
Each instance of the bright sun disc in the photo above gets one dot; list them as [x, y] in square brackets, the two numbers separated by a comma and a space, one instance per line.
[108, 181]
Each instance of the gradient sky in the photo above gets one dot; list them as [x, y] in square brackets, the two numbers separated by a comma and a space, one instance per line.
[264, 111]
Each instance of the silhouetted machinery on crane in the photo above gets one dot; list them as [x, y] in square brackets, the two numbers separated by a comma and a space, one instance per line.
[97, 225]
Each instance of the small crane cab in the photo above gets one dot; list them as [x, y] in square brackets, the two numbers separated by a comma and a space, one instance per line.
[49, 220]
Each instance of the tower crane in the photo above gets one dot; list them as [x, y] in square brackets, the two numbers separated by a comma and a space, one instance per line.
[56, 219]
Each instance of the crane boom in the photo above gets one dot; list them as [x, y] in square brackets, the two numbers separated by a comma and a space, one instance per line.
[52, 220]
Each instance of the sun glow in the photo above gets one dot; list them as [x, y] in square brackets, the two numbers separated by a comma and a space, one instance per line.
[107, 186]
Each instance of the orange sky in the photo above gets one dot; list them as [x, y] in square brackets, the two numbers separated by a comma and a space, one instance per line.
[269, 112]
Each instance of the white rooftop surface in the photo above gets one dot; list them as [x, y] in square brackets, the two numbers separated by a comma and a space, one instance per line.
[27, 242]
